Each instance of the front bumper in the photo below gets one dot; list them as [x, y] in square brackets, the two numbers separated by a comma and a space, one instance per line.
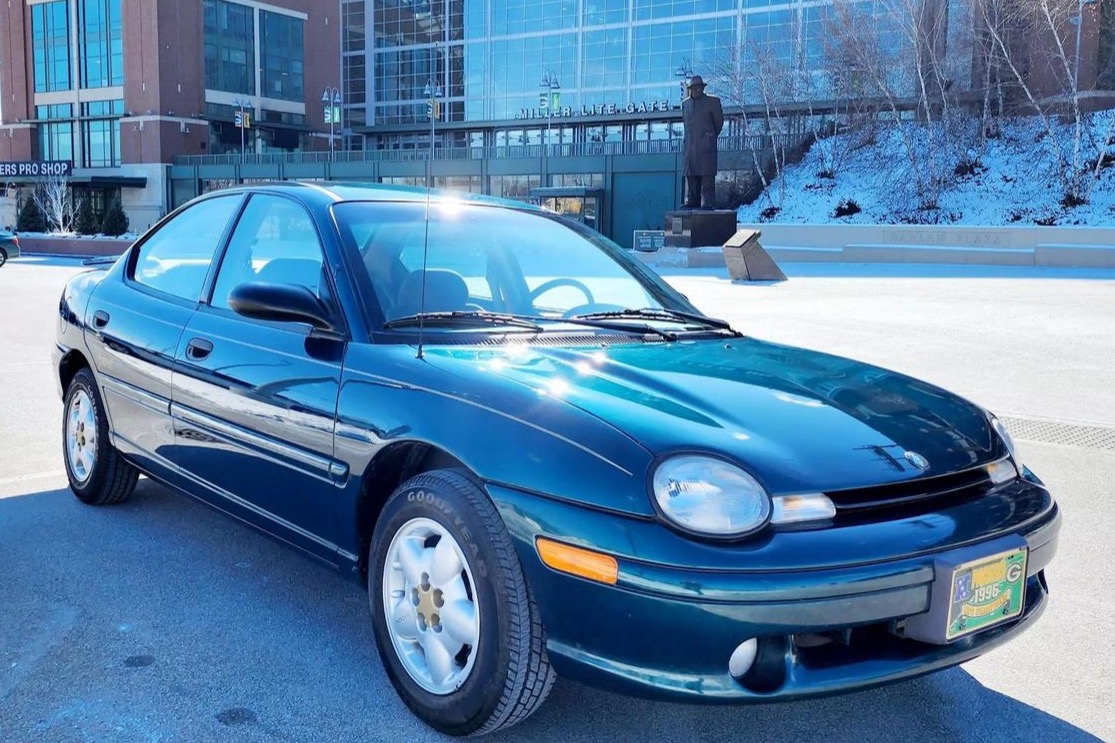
[667, 631]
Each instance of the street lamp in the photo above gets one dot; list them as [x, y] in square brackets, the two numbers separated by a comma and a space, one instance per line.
[549, 94]
[242, 120]
[433, 93]
[331, 97]
[1079, 26]
[684, 71]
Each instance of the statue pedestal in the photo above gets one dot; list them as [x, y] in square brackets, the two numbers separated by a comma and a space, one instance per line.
[695, 228]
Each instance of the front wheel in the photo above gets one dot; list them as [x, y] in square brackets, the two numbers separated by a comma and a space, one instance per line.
[456, 626]
[98, 474]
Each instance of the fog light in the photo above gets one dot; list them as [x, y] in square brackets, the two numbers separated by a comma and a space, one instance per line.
[743, 657]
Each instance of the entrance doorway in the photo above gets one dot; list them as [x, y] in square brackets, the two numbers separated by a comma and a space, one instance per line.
[584, 205]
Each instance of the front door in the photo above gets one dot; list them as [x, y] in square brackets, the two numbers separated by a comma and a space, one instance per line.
[134, 326]
[255, 401]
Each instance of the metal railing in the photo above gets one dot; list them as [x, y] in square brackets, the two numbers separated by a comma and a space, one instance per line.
[577, 149]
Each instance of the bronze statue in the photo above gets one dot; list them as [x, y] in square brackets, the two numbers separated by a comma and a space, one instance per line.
[703, 119]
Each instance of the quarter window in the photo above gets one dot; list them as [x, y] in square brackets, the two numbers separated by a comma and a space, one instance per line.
[176, 259]
[274, 242]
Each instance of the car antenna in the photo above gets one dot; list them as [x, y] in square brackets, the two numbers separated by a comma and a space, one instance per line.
[425, 251]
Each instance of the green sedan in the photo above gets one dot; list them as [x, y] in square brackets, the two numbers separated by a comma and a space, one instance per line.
[9, 246]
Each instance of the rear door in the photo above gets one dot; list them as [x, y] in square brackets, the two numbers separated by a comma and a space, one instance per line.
[134, 325]
[255, 401]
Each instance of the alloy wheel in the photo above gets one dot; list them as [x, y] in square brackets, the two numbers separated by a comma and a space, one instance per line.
[81, 436]
[429, 602]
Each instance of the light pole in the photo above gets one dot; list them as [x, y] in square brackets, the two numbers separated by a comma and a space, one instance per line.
[1079, 27]
[243, 121]
[331, 97]
[433, 93]
[684, 71]
[549, 95]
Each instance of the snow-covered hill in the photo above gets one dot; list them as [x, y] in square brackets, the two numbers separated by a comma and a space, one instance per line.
[1016, 180]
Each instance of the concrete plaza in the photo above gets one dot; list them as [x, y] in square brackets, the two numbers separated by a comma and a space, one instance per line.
[163, 620]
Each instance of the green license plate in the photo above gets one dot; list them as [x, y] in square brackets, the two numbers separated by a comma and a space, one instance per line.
[986, 592]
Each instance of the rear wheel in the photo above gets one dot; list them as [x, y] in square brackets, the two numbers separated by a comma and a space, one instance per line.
[3, 257]
[98, 474]
[456, 626]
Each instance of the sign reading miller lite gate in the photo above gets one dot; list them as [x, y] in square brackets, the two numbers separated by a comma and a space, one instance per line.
[36, 169]
[610, 109]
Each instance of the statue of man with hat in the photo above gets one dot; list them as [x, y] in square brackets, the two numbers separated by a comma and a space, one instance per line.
[702, 118]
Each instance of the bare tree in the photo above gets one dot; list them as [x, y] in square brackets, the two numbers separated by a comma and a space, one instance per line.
[763, 83]
[904, 54]
[55, 199]
[1033, 42]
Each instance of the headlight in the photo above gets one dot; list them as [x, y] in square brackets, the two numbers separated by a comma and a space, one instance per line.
[709, 496]
[1008, 442]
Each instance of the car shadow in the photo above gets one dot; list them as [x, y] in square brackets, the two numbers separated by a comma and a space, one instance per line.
[161, 618]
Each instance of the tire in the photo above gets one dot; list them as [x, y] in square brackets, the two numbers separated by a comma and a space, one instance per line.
[3, 257]
[98, 474]
[505, 676]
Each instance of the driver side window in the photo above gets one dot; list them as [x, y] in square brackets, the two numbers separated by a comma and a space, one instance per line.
[274, 242]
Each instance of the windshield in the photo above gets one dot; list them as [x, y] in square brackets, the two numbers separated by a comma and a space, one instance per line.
[491, 259]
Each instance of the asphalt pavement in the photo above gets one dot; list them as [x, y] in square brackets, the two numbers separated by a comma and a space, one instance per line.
[163, 620]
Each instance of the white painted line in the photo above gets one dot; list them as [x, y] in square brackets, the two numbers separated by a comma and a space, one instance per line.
[24, 478]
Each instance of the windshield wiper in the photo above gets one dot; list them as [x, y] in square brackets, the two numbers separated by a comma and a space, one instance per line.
[461, 317]
[593, 321]
[656, 313]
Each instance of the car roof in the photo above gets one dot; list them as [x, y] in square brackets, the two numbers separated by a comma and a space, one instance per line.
[359, 191]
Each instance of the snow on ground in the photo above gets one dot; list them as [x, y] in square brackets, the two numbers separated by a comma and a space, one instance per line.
[1017, 184]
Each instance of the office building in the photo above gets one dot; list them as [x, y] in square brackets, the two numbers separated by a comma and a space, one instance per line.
[119, 88]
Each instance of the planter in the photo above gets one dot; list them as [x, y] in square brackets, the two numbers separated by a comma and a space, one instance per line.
[76, 246]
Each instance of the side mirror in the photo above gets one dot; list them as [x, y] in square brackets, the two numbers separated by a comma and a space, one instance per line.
[281, 303]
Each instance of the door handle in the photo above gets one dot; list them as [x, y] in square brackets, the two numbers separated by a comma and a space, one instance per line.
[100, 319]
[198, 348]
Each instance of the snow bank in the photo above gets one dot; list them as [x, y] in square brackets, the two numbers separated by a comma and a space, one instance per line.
[1017, 182]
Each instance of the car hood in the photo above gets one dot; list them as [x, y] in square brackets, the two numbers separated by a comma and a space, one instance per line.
[799, 420]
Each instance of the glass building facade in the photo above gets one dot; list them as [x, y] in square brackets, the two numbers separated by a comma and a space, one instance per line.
[86, 133]
[230, 59]
[606, 58]
[258, 55]
[281, 52]
[50, 44]
[102, 43]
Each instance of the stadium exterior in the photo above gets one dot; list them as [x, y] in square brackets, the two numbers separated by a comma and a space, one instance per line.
[581, 97]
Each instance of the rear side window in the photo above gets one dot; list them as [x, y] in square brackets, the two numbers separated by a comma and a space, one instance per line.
[176, 259]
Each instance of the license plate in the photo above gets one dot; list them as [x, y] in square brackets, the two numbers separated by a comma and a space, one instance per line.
[986, 592]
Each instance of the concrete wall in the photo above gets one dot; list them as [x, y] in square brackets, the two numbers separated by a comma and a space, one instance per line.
[72, 246]
[8, 208]
[144, 206]
[1020, 246]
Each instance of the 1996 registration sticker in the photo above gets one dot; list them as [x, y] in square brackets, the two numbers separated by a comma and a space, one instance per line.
[986, 592]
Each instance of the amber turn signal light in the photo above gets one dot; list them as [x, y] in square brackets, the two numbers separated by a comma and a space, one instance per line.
[566, 558]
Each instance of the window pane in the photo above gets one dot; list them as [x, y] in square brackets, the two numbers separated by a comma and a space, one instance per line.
[229, 47]
[50, 42]
[281, 53]
[176, 258]
[274, 242]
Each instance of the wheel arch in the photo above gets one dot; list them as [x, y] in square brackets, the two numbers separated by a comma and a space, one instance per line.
[70, 364]
[390, 468]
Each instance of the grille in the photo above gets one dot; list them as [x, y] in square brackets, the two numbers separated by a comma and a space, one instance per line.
[1056, 432]
[926, 491]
